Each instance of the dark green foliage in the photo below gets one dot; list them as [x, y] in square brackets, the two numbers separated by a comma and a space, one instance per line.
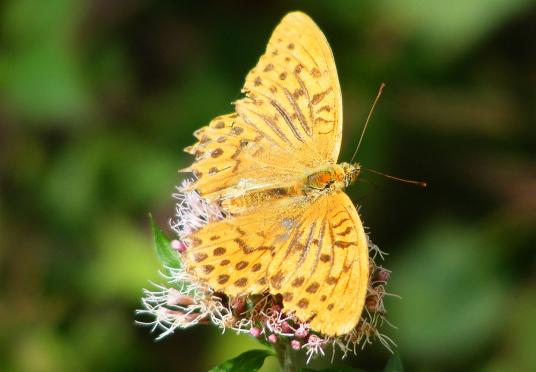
[251, 360]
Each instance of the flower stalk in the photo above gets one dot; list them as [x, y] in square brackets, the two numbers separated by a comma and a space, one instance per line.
[288, 357]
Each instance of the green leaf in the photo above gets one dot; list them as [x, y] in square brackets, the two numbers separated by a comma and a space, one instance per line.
[162, 244]
[250, 360]
[394, 364]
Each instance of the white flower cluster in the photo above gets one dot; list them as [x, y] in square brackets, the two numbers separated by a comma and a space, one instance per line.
[192, 211]
[184, 304]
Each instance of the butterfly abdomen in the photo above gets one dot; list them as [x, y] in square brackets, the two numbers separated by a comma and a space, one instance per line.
[256, 198]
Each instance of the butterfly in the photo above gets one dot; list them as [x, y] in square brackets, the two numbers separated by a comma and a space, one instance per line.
[271, 166]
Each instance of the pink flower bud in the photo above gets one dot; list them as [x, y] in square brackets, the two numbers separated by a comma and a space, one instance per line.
[302, 332]
[314, 340]
[255, 332]
[383, 275]
[286, 328]
[295, 344]
[272, 338]
[178, 246]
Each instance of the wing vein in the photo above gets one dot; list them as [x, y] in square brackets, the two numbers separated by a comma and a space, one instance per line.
[307, 97]
[319, 246]
[299, 113]
[287, 119]
[274, 127]
[307, 245]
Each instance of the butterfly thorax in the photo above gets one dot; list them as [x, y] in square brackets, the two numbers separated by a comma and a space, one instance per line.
[332, 177]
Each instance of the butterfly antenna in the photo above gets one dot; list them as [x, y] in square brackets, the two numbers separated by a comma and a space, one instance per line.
[417, 183]
[380, 91]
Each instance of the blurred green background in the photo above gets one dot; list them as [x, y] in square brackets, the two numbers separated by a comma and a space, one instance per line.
[97, 99]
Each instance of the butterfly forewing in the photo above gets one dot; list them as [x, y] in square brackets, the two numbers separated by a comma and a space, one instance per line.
[229, 151]
[293, 93]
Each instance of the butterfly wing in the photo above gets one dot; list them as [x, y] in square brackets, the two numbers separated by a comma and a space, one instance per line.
[233, 255]
[293, 93]
[230, 151]
[289, 121]
[314, 254]
[322, 271]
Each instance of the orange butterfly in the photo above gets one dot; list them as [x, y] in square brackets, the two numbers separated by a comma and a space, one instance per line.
[272, 168]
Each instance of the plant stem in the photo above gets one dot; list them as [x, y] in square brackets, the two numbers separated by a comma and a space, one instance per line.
[288, 361]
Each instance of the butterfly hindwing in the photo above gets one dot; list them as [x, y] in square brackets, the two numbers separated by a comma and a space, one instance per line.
[233, 255]
[322, 270]
[314, 254]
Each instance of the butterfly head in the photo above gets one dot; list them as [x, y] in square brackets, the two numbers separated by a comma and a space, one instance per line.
[351, 172]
